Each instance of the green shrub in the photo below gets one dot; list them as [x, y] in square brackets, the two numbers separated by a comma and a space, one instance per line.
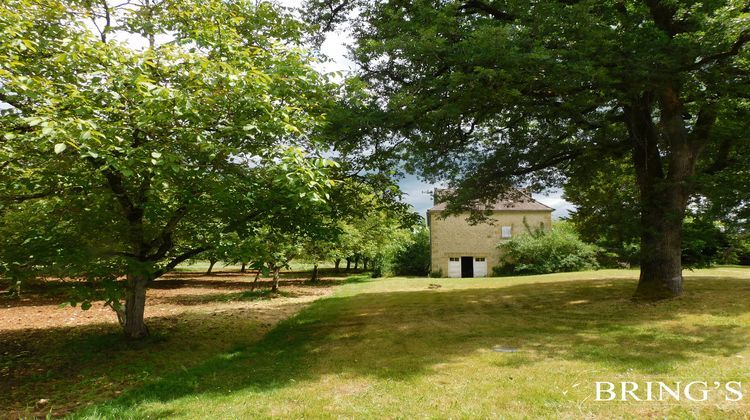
[414, 259]
[743, 254]
[540, 252]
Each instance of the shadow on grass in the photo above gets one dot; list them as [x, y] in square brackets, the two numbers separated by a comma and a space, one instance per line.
[73, 366]
[399, 335]
[243, 296]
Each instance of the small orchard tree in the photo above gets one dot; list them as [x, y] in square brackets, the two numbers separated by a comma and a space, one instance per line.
[316, 250]
[413, 259]
[273, 249]
[130, 158]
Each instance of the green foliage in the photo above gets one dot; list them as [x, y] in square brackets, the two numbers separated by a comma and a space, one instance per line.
[453, 79]
[414, 258]
[741, 251]
[383, 236]
[542, 252]
[119, 158]
[488, 95]
[607, 214]
[703, 243]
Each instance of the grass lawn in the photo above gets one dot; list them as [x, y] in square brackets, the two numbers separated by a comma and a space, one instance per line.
[512, 347]
[399, 348]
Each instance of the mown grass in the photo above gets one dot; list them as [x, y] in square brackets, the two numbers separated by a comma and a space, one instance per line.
[413, 347]
[66, 366]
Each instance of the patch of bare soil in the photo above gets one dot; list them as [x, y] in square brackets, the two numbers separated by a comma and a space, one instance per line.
[171, 295]
[48, 351]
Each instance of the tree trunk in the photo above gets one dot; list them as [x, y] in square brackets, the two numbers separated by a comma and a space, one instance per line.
[348, 264]
[255, 282]
[135, 305]
[364, 264]
[664, 181]
[275, 286]
[661, 248]
[243, 268]
[314, 277]
[211, 263]
[356, 262]
[336, 264]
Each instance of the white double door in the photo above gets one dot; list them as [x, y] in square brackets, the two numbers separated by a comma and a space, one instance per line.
[479, 266]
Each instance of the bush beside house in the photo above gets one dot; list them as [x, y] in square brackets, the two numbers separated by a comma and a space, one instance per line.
[542, 252]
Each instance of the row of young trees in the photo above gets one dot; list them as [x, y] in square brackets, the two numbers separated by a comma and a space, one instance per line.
[361, 232]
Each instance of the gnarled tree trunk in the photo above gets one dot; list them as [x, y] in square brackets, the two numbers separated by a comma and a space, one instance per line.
[664, 181]
[336, 264]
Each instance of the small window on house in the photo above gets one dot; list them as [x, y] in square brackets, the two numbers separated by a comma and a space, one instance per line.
[455, 259]
[479, 259]
[506, 232]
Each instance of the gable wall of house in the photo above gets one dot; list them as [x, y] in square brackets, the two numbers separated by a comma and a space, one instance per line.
[455, 237]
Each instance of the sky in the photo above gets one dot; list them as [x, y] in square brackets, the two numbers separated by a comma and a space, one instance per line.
[417, 192]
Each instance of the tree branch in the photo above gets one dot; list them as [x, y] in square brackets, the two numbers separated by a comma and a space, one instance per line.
[333, 14]
[178, 259]
[165, 239]
[485, 8]
[743, 39]
[703, 125]
[663, 16]
[15, 102]
[116, 185]
[25, 197]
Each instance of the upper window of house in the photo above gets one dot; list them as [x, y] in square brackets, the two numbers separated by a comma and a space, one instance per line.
[479, 259]
[454, 259]
[506, 232]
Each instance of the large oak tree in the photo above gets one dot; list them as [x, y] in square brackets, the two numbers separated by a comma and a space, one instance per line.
[487, 94]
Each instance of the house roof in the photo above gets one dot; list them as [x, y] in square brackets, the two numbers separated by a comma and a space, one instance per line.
[524, 203]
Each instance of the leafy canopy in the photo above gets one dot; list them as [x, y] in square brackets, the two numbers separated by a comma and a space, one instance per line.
[492, 94]
[134, 136]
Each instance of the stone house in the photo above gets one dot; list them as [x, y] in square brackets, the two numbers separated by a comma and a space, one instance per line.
[460, 249]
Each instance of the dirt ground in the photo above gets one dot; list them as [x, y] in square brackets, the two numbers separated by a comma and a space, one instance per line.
[172, 295]
[47, 351]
